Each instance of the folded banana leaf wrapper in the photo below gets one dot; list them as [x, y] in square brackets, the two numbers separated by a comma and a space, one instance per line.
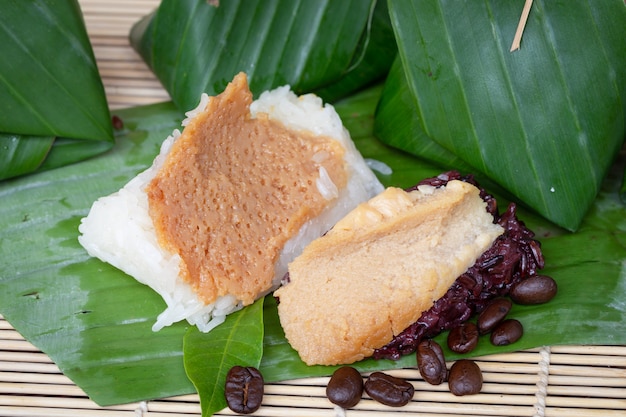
[543, 122]
[53, 107]
[95, 322]
[331, 48]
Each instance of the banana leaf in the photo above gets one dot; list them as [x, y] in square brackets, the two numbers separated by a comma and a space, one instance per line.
[400, 124]
[590, 296]
[94, 321]
[545, 122]
[334, 47]
[238, 343]
[54, 110]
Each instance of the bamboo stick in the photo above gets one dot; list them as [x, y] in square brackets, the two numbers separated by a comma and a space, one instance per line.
[589, 381]
[568, 412]
[130, 78]
[590, 350]
[517, 39]
[130, 68]
[16, 377]
[132, 87]
[109, 24]
[60, 402]
[521, 356]
[10, 334]
[65, 412]
[122, 104]
[288, 412]
[18, 356]
[586, 403]
[588, 360]
[511, 368]
[588, 391]
[30, 367]
[110, 40]
[145, 98]
[567, 370]
[126, 9]
[19, 345]
[32, 389]
[113, 53]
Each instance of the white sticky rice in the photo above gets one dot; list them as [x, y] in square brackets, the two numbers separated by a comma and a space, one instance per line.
[119, 230]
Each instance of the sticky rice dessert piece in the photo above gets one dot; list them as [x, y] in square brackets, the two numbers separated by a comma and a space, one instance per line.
[371, 276]
[230, 201]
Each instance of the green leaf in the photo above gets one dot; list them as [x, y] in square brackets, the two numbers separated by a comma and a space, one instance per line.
[379, 50]
[622, 190]
[194, 47]
[545, 122]
[91, 319]
[49, 86]
[209, 356]
[94, 321]
[399, 123]
[22, 155]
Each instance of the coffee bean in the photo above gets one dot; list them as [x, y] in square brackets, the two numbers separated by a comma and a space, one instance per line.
[345, 387]
[389, 390]
[117, 122]
[493, 314]
[431, 362]
[465, 378]
[463, 338]
[244, 389]
[537, 289]
[507, 332]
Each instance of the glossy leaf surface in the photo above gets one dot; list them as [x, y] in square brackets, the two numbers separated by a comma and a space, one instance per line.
[333, 46]
[209, 356]
[399, 122]
[546, 121]
[94, 321]
[49, 87]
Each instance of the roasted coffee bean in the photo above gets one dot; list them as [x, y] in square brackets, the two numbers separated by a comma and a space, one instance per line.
[493, 314]
[465, 378]
[463, 338]
[507, 332]
[345, 387]
[431, 363]
[389, 390]
[244, 389]
[537, 289]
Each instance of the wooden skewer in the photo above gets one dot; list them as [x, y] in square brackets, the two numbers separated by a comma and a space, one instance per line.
[520, 26]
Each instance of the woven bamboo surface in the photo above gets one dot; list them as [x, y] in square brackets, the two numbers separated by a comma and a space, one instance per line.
[552, 381]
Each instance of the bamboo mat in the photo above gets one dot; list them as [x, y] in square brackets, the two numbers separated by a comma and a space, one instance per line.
[552, 381]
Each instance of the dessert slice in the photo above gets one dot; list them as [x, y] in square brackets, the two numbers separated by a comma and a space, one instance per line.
[213, 223]
[379, 268]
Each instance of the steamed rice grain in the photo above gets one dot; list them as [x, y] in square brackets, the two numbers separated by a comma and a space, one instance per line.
[119, 230]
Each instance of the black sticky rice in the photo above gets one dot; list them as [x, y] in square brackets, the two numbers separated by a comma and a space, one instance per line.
[514, 256]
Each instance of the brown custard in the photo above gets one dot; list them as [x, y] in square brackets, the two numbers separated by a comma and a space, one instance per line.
[233, 190]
